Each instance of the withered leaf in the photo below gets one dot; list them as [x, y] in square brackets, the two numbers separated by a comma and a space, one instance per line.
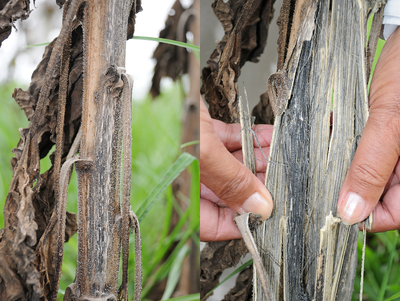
[247, 44]
[215, 258]
[20, 270]
[11, 11]
[172, 61]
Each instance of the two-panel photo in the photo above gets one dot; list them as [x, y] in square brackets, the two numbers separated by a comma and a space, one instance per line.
[192, 150]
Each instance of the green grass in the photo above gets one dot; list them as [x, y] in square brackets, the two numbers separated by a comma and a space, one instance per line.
[382, 267]
[168, 41]
[189, 45]
[237, 271]
[156, 145]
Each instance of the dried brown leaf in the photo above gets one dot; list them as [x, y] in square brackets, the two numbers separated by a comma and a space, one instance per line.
[242, 291]
[244, 43]
[172, 61]
[217, 257]
[11, 11]
[30, 201]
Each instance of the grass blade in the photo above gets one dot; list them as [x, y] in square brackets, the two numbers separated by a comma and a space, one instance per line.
[238, 270]
[389, 267]
[190, 143]
[36, 45]
[194, 193]
[196, 53]
[191, 214]
[394, 287]
[393, 297]
[175, 272]
[167, 41]
[193, 297]
[167, 243]
[159, 40]
[168, 213]
[162, 271]
[175, 170]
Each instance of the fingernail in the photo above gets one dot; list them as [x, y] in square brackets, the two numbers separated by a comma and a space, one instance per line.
[256, 203]
[353, 210]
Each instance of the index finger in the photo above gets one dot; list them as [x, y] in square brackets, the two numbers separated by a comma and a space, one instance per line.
[231, 137]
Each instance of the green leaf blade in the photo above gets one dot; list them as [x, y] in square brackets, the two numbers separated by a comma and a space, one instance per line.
[388, 269]
[167, 41]
[193, 297]
[175, 170]
[175, 272]
[238, 270]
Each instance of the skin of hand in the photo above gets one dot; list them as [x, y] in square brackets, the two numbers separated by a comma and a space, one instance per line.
[372, 182]
[227, 186]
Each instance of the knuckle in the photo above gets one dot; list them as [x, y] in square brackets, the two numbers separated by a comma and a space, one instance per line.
[366, 176]
[386, 127]
[207, 153]
[386, 113]
[391, 221]
[235, 188]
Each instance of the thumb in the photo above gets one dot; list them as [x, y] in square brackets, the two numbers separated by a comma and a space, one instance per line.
[379, 148]
[372, 166]
[229, 179]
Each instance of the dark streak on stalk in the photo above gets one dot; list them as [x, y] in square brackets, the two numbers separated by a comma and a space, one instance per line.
[296, 123]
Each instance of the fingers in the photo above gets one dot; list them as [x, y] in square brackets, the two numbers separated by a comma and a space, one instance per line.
[369, 172]
[261, 176]
[206, 193]
[379, 147]
[216, 223]
[231, 137]
[229, 179]
[386, 214]
[261, 162]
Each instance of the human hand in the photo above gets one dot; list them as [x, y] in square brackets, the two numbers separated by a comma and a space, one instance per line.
[375, 171]
[227, 186]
